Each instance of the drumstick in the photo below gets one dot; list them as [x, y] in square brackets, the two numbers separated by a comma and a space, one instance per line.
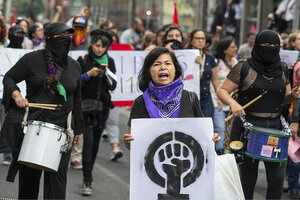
[248, 104]
[44, 107]
[48, 105]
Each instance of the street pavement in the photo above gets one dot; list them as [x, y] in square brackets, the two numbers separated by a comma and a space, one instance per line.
[111, 179]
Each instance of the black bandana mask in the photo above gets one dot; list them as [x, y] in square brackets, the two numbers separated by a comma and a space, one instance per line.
[266, 59]
[59, 48]
[15, 41]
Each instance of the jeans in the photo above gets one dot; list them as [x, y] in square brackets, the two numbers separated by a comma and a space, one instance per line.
[293, 174]
[207, 107]
[112, 125]
[220, 125]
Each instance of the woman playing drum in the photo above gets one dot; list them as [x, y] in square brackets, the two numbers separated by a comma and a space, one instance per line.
[51, 77]
[263, 72]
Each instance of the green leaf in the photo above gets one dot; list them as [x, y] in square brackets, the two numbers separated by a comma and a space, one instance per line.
[61, 90]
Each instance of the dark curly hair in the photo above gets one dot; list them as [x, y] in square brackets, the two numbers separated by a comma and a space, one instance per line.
[222, 45]
[144, 76]
[3, 31]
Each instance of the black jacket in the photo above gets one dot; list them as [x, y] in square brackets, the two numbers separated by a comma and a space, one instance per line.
[90, 87]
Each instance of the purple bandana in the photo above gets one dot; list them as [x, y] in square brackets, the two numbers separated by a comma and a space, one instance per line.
[163, 102]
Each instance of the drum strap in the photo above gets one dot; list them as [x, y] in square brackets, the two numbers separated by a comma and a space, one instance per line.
[24, 122]
[44, 96]
[70, 132]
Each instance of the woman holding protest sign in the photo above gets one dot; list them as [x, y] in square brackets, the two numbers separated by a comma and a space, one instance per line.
[160, 81]
[263, 73]
[96, 100]
[51, 78]
[208, 71]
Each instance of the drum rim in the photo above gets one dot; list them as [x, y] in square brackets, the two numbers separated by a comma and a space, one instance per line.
[46, 124]
[269, 134]
[265, 159]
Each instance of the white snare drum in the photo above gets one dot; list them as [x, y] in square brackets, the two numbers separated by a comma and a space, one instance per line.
[42, 146]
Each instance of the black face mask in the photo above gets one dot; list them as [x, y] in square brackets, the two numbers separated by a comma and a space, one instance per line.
[176, 44]
[15, 41]
[59, 48]
[266, 60]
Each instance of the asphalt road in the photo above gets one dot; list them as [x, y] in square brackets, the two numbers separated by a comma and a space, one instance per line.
[111, 179]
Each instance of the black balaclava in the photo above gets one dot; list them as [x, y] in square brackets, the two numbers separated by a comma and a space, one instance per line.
[58, 46]
[266, 60]
[14, 40]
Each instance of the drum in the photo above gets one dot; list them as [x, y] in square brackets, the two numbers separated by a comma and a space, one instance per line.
[42, 146]
[267, 144]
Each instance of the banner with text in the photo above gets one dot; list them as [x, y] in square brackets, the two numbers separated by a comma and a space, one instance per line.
[128, 65]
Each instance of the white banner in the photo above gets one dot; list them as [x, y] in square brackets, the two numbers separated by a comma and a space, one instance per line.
[289, 57]
[172, 159]
[128, 65]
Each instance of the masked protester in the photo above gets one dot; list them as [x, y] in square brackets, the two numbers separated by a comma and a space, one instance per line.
[16, 36]
[51, 77]
[262, 72]
[78, 42]
[79, 38]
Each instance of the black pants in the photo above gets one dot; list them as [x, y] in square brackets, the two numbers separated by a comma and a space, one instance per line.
[248, 169]
[275, 177]
[91, 140]
[55, 183]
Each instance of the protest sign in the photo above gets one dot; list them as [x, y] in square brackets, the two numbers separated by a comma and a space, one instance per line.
[289, 57]
[172, 159]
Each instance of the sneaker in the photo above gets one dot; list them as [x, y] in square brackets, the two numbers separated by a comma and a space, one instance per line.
[7, 159]
[76, 164]
[116, 154]
[86, 189]
[294, 195]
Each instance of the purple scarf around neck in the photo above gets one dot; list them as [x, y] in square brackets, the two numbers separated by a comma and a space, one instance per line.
[163, 102]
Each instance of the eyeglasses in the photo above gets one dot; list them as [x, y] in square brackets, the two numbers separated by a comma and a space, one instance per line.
[269, 45]
[199, 38]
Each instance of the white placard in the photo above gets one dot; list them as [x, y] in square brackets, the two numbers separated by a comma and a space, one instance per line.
[289, 57]
[128, 65]
[172, 159]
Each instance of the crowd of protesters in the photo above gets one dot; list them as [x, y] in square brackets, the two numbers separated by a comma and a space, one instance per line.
[219, 52]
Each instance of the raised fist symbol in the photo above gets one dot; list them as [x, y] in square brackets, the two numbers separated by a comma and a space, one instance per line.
[176, 154]
[174, 164]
